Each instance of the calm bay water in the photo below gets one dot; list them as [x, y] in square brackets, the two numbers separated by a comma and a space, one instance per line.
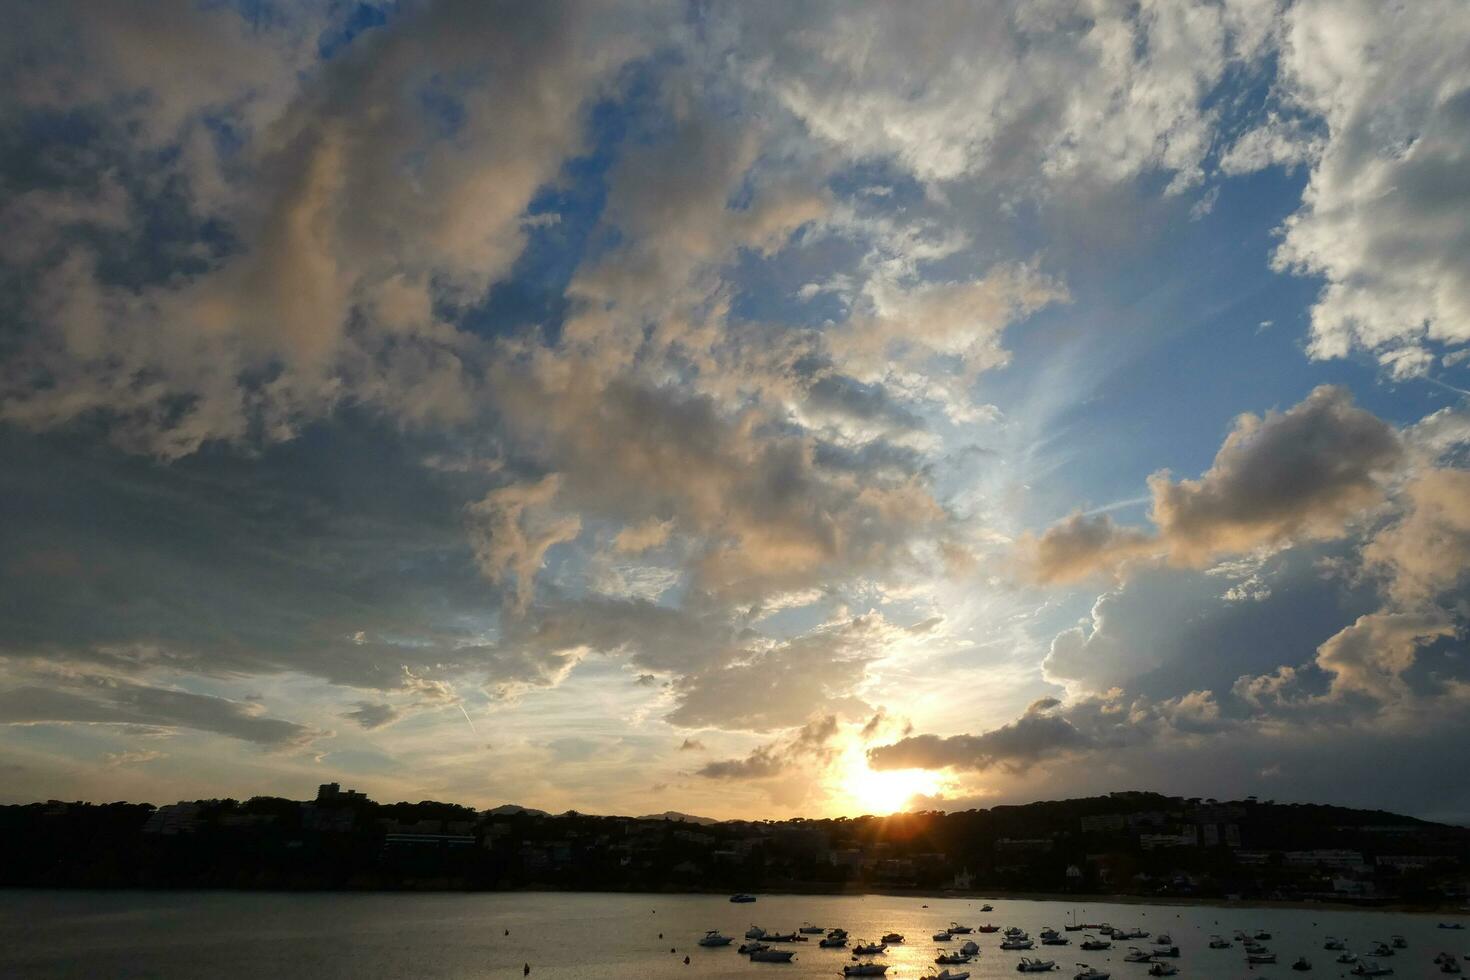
[172, 935]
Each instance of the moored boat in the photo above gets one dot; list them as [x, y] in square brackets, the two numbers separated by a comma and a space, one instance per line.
[772, 956]
[713, 938]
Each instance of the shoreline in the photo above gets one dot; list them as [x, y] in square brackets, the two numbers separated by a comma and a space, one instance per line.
[1077, 901]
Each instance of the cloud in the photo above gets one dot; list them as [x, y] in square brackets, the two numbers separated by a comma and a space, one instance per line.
[513, 527]
[1302, 474]
[106, 700]
[1051, 731]
[134, 758]
[369, 715]
[1427, 551]
[1370, 656]
[809, 744]
[639, 538]
[1383, 213]
[1039, 734]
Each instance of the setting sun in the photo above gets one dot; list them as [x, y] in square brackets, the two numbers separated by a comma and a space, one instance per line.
[886, 791]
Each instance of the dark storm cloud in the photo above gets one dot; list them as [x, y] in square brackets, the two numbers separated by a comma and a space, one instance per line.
[1039, 734]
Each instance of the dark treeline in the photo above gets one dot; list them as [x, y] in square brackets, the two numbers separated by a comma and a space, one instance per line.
[1124, 843]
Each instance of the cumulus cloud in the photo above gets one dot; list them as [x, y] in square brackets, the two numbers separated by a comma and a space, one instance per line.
[1302, 474]
[1383, 214]
[1370, 656]
[1428, 550]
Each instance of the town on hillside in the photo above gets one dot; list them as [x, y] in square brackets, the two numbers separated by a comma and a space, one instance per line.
[1129, 843]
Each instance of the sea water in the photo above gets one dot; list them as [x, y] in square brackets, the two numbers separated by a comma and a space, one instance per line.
[619, 936]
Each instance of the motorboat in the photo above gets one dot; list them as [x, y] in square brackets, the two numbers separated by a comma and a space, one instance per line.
[1368, 968]
[1450, 966]
[1382, 949]
[985, 928]
[1302, 964]
[780, 937]
[987, 908]
[1254, 947]
[713, 938]
[833, 942]
[1028, 965]
[948, 975]
[1130, 934]
[810, 929]
[960, 930]
[836, 933]
[1452, 925]
[1262, 956]
[952, 958]
[865, 969]
[1012, 931]
[1399, 942]
[751, 947]
[1262, 934]
[1088, 973]
[1015, 944]
[755, 932]
[1219, 942]
[1158, 969]
[1334, 944]
[868, 949]
[1136, 955]
[772, 956]
[941, 937]
[1241, 935]
[893, 938]
[1163, 939]
[970, 948]
[1347, 957]
[1094, 943]
[742, 898]
[1055, 941]
[1171, 952]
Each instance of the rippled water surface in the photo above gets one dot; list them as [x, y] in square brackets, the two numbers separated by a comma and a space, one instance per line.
[616, 937]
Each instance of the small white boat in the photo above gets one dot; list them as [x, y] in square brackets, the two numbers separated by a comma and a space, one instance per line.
[713, 938]
[1088, 973]
[868, 949]
[987, 908]
[1347, 957]
[1028, 965]
[1452, 925]
[1055, 941]
[960, 930]
[865, 969]
[1219, 942]
[1382, 949]
[1302, 964]
[1094, 943]
[810, 929]
[837, 934]
[1169, 951]
[893, 937]
[1163, 939]
[1015, 944]
[1014, 931]
[951, 958]
[1264, 956]
[1136, 955]
[752, 947]
[1262, 934]
[1368, 968]
[742, 898]
[1332, 943]
[772, 956]
[1162, 969]
[941, 937]
[1048, 932]
[833, 942]
[755, 932]
[780, 937]
[948, 975]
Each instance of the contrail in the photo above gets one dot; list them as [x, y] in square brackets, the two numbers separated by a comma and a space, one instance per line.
[467, 718]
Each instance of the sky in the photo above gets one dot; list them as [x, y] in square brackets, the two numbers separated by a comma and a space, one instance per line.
[747, 409]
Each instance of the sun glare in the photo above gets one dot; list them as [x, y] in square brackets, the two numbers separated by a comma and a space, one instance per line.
[887, 791]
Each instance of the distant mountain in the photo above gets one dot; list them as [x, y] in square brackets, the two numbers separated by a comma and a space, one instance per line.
[679, 817]
[511, 809]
